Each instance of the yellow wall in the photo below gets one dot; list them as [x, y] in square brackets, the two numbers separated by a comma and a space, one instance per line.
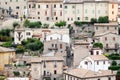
[5, 58]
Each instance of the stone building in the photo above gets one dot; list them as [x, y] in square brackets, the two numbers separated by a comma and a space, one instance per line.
[17, 8]
[46, 67]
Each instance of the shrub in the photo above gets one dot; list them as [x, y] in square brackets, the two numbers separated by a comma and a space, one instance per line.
[114, 63]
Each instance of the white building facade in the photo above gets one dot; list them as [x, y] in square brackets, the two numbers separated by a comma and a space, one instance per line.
[95, 62]
[41, 34]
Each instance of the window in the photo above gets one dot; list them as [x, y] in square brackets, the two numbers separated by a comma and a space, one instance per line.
[29, 6]
[44, 73]
[5, 2]
[17, 7]
[115, 28]
[86, 11]
[24, 7]
[73, 6]
[105, 38]
[78, 18]
[98, 79]
[68, 19]
[10, 0]
[56, 18]
[103, 62]
[113, 38]
[107, 27]
[65, 7]
[50, 38]
[109, 78]
[71, 19]
[106, 45]
[16, 0]
[56, 45]
[38, 17]
[54, 13]
[112, 6]
[46, 6]
[97, 52]
[86, 18]
[47, 18]
[28, 33]
[86, 63]
[60, 13]
[44, 64]
[96, 28]
[60, 5]
[55, 72]
[97, 62]
[112, 12]
[98, 11]
[54, 79]
[55, 64]
[45, 13]
[54, 5]
[60, 46]
[52, 45]
[38, 6]
[38, 12]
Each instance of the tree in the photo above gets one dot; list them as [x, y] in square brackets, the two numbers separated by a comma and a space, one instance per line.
[20, 49]
[93, 20]
[104, 19]
[33, 44]
[45, 25]
[16, 73]
[7, 44]
[77, 23]
[98, 45]
[114, 63]
[26, 23]
[60, 24]
[15, 24]
[70, 28]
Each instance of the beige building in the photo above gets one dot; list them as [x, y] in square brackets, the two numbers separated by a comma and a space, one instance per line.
[46, 67]
[55, 46]
[110, 41]
[85, 10]
[84, 74]
[45, 10]
[6, 56]
[100, 28]
[14, 7]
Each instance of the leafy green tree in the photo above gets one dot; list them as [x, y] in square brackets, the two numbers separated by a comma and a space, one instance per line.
[99, 45]
[45, 25]
[118, 72]
[114, 63]
[15, 24]
[93, 20]
[20, 49]
[33, 44]
[26, 23]
[16, 73]
[104, 19]
[77, 23]
[60, 24]
[7, 44]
